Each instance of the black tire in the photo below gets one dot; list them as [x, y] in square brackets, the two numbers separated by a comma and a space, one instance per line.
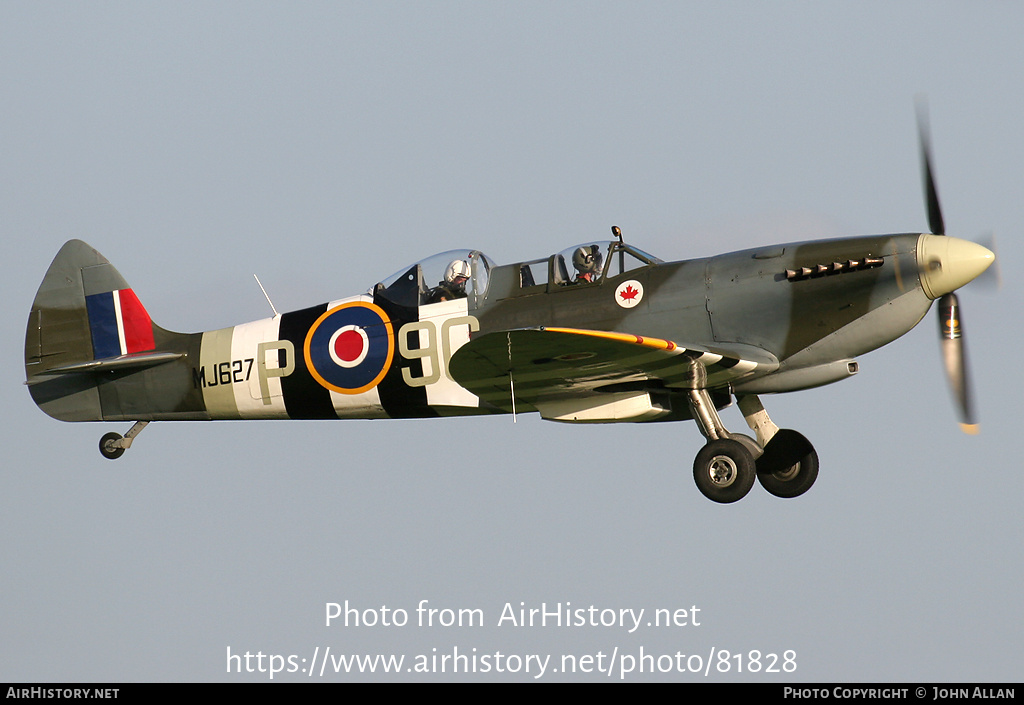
[111, 453]
[724, 471]
[789, 465]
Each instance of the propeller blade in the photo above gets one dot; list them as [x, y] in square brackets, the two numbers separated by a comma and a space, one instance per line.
[935, 221]
[954, 358]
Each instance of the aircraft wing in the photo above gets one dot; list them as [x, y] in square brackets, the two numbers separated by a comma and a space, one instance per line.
[550, 363]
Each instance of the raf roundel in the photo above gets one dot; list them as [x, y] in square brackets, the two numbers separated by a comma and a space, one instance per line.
[349, 348]
[629, 293]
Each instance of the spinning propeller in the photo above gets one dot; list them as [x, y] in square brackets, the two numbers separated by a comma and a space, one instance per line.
[947, 263]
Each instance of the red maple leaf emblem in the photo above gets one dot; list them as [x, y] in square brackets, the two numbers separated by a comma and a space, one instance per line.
[629, 293]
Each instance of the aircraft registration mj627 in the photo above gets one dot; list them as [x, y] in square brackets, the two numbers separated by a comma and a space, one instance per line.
[599, 332]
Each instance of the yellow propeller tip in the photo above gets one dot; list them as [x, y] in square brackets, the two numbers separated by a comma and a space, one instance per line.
[971, 429]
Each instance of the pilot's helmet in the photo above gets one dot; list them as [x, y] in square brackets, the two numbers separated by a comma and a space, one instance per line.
[457, 272]
[587, 259]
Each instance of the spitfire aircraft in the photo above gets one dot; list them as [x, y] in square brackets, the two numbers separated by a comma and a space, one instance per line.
[599, 332]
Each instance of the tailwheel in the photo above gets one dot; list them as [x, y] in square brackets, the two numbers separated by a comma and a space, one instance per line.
[789, 465]
[113, 445]
[108, 448]
[724, 470]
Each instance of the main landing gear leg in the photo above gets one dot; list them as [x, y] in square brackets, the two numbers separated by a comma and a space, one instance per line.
[725, 467]
[113, 445]
[789, 465]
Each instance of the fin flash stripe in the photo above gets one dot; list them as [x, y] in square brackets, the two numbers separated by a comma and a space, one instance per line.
[119, 324]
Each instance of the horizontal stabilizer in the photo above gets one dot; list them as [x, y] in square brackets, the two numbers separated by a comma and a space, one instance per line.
[119, 363]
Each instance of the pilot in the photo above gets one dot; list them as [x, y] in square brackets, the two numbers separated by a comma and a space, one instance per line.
[587, 261]
[453, 286]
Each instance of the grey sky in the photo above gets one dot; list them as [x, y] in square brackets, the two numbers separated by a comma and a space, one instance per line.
[325, 145]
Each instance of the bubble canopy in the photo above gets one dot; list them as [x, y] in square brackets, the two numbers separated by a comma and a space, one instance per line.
[417, 280]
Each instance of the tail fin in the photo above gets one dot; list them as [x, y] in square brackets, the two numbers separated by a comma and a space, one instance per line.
[85, 319]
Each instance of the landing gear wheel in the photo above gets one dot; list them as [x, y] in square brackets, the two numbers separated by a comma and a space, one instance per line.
[789, 465]
[724, 471]
[110, 451]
